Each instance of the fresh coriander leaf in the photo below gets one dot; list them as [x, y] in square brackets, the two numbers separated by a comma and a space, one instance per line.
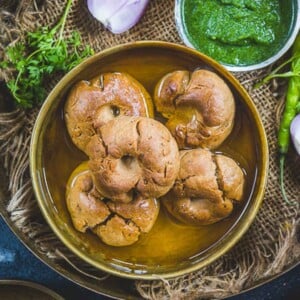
[44, 52]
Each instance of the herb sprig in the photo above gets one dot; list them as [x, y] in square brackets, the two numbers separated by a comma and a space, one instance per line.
[43, 52]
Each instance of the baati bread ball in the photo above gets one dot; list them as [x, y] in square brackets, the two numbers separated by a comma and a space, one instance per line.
[115, 223]
[133, 155]
[90, 104]
[128, 221]
[143, 212]
[206, 188]
[118, 232]
[84, 201]
[199, 107]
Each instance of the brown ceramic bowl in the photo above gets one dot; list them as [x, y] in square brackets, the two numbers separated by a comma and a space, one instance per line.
[169, 249]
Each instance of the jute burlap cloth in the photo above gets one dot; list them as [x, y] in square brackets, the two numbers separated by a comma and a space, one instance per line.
[269, 246]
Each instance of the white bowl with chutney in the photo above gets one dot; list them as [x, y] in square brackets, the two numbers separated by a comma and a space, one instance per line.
[241, 35]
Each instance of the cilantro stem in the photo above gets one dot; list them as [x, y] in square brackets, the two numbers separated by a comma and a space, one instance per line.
[16, 86]
[18, 77]
[60, 25]
[36, 52]
[62, 22]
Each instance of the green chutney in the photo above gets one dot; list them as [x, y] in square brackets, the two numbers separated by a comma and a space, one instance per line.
[237, 32]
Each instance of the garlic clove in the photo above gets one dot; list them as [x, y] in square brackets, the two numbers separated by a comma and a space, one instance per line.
[295, 133]
[117, 16]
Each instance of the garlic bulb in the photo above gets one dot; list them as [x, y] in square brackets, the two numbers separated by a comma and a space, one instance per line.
[117, 16]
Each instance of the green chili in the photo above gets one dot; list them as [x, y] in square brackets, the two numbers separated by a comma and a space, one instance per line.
[290, 111]
[292, 105]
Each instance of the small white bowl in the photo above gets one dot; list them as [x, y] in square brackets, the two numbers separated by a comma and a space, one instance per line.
[294, 29]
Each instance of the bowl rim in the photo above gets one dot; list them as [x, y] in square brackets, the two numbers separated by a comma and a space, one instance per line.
[288, 44]
[13, 284]
[239, 228]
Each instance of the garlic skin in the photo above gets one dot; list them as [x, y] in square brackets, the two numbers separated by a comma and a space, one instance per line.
[295, 133]
[117, 16]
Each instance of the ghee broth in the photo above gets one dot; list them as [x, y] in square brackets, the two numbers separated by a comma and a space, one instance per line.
[168, 243]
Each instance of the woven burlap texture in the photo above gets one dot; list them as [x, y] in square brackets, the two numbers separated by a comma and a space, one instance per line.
[268, 247]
